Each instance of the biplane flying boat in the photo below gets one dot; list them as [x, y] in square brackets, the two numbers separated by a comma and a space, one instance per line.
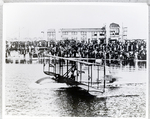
[77, 72]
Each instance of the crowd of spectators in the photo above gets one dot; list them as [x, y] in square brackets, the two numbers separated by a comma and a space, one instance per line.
[128, 50]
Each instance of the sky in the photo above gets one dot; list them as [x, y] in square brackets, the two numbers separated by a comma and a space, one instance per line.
[29, 19]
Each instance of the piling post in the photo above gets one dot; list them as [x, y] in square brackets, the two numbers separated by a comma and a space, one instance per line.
[80, 72]
[104, 70]
[91, 75]
[55, 64]
[67, 68]
[43, 67]
[62, 68]
[77, 71]
[104, 76]
[88, 77]
[49, 64]
[97, 76]
[59, 66]
[67, 57]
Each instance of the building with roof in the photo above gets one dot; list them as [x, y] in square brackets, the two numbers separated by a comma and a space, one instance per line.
[51, 34]
[114, 32]
[86, 34]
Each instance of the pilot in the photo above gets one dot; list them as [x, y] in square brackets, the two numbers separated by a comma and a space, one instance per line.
[74, 73]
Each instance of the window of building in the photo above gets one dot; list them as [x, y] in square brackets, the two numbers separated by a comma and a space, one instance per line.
[74, 33]
[117, 32]
[65, 33]
[112, 32]
[51, 33]
[83, 33]
[95, 34]
[102, 33]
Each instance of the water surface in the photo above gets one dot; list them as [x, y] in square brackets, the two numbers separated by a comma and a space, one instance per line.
[25, 97]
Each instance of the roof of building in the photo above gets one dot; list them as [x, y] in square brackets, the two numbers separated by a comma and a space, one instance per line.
[114, 25]
[51, 30]
[83, 29]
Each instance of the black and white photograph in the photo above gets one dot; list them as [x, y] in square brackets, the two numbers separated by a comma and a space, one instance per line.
[75, 60]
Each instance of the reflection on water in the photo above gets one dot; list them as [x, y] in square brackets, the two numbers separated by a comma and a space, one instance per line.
[76, 102]
[25, 97]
